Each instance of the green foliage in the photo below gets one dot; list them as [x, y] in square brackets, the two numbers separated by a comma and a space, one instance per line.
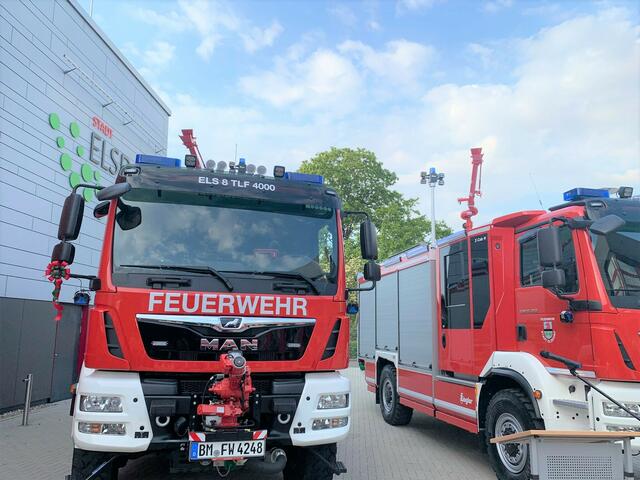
[364, 184]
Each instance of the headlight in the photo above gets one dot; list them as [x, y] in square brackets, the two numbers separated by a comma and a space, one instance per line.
[99, 403]
[325, 423]
[333, 400]
[622, 428]
[612, 410]
[102, 428]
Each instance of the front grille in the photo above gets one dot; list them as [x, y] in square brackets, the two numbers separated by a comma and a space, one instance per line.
[166, 341]
[190, 387]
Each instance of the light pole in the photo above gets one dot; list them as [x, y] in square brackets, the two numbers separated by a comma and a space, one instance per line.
[433, 178]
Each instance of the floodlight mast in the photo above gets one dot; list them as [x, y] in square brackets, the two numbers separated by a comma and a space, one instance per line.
[433, 178]
[189, 141]
[476, 178]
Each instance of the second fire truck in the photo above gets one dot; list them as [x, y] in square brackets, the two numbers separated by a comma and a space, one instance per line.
[487, 330]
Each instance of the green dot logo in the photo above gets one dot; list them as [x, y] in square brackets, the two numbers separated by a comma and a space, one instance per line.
[87, 174]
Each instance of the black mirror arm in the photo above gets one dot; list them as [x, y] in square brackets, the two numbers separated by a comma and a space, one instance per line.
[86, 185]
[367, 289]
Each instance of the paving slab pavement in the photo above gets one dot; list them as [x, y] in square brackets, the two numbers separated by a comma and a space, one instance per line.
[424, 449]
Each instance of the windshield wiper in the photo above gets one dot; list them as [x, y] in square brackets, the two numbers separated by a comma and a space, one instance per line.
[295, 275]
[186, 268]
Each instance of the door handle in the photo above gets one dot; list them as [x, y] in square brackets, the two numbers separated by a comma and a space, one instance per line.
[444, 341]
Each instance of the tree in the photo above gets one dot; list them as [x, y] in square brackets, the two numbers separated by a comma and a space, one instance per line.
[364, 184]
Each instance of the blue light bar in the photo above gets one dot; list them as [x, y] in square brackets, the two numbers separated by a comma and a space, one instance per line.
[582, 193]
[304, 177]
[160, 161]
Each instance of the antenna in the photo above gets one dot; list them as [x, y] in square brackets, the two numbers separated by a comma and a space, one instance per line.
[235, 158]
[535, 188]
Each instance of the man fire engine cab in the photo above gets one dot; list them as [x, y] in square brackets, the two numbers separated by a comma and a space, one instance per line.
[219, 322]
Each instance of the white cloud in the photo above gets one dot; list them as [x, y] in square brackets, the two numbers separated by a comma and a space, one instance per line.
[324, 81]
[159, 54]
[212, 21]
[494, 6]
[401, 61]
[343, 14]
[413, 5]
[257, 38]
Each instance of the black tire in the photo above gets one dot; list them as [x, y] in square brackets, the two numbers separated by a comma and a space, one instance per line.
[303, 464]
[393, 412]
[85, 462]
[510, 411]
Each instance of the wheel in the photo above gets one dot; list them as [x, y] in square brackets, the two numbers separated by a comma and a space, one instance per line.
[303, 464]
[510, 411]
[85, 462]
[392, 411]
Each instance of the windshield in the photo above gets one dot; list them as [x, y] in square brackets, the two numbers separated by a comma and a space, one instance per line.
[237, 237]
[618, 256]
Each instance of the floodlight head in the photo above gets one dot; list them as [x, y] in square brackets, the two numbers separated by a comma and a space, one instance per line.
[222, 166]
[211, 164]
[251, 169]
[262, 170]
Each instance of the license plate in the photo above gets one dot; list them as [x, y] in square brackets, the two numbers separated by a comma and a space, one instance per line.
[226, 450]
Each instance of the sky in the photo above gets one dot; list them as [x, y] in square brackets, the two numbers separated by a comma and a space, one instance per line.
[549, 90]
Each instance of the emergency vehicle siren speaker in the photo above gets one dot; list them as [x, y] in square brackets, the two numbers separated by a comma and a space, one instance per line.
[222, 166]
[211, 164]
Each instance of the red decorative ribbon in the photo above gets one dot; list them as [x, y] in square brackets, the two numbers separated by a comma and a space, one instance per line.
[56, 272]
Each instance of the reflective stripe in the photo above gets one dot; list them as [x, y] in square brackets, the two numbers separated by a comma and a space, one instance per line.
[416, 395]
[467, 412]
[215, 322]
[370, 380]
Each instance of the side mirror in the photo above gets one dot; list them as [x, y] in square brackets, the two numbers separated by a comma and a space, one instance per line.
[607, 224]
[549, 247]
[71, 217]
[102, 209]
[128, 217]
[64, 252]
[113, 191]
[553, 278]
[368, 240]
[372, 271]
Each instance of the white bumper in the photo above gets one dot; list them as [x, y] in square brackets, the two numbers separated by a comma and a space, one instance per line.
[301, 428]
[134, 412]
[623, 393]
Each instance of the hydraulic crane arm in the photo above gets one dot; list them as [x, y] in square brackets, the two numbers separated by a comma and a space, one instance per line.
[476, 179]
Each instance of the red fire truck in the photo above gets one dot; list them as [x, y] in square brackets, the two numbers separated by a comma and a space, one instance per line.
[219, 321]
[488, 330]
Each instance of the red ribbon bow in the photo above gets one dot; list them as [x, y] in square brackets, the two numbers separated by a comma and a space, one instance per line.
[56, 272]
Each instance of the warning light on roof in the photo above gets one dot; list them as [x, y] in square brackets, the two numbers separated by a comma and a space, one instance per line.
[583, 193]
[156, 160]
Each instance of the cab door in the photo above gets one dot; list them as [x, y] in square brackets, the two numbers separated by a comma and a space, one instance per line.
[455, 345]
[546, 318]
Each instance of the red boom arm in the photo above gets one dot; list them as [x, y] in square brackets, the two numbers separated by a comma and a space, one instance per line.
[189, 141]
[476, 177]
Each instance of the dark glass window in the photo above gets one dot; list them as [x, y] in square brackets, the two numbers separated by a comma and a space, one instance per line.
[530, 270]
[480, 279]
[455, 304]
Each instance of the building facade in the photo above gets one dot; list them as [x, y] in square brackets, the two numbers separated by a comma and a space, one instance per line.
[72, 111]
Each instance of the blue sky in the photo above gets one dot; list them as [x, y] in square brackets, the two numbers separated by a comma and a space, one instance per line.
[550, 90]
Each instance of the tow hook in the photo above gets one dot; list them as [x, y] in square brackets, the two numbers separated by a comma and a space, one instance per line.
[274, 462]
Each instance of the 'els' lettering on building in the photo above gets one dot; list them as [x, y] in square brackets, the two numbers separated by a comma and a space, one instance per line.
[109, 159]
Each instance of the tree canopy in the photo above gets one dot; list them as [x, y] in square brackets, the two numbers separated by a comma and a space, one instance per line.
[364, 184]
